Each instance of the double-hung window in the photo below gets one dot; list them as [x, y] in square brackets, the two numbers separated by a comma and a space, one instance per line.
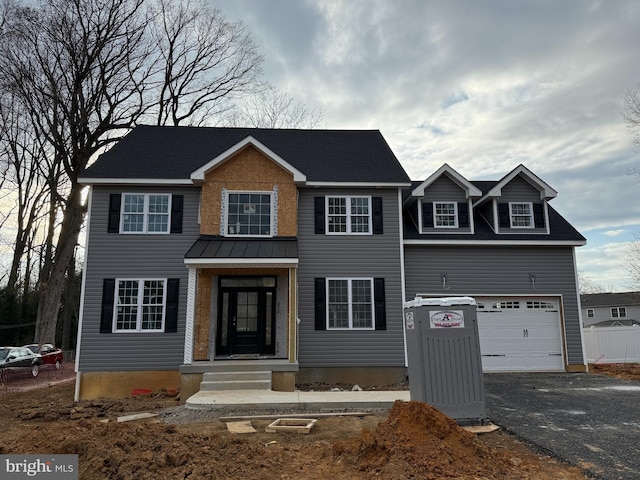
[140, 305]
[445, 214]
[145, 213]
[249, 213]
[349, 215]
[618, 312]
[591, 313]
[350, 303]
[521, 215]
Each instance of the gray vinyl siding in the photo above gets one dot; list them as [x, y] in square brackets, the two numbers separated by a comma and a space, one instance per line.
[445, 190]
[519, 190]
[322, 256]
[490, 270]
[113, 255]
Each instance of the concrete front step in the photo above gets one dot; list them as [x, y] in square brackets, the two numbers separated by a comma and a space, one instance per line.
[239, 380]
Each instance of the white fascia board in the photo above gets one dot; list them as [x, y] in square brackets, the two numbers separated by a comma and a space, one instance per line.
[358, 184]
[470, 189]
[519, 243]
[546, 191]
[243, 262]
[134, 181]
[198, 175]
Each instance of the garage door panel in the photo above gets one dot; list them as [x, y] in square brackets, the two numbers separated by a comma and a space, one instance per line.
[520, 334]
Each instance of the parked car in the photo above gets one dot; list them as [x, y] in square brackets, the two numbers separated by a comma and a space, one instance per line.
[20, 357]
[50, 354]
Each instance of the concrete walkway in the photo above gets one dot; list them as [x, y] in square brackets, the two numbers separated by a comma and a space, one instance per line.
[270, 400]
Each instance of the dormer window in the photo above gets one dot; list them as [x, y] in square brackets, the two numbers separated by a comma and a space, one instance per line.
[249, 213]
[445, 214]
[521, 215]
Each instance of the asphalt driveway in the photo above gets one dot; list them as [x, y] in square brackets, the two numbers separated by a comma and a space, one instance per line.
[592, 421]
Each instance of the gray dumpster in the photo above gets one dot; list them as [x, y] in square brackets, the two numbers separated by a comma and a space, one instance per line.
[445, 367]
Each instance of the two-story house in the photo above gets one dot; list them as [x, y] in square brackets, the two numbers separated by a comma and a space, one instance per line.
[610, 309]
[208, 244]
[295, 249]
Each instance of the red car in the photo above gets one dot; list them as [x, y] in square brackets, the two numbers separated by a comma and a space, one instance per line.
[50, 354]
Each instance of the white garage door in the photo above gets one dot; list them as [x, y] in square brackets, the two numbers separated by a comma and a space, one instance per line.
[520, 334]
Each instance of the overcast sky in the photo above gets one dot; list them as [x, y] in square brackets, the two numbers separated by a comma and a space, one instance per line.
[480, 85]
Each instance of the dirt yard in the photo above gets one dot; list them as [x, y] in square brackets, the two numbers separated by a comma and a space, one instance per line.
[412, 440]
[625, 371]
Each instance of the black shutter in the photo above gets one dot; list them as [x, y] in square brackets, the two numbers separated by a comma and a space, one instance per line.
[108, 296]
[113, 225]
[379, 304]
[319, 214]
[538, 215]
[321, 305]
[171, 313]
[503, 215]
[177, 202]
[377, 215]
[427, 215]
[463, 215]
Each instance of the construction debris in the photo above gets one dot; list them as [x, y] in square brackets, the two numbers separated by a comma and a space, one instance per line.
[297, 425]
[241, 426]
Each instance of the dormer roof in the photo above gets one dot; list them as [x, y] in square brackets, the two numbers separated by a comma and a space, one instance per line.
[546, 191]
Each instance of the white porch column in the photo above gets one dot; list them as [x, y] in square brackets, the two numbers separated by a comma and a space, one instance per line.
[191, 309]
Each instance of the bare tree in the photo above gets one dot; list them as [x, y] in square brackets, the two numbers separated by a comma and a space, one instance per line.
[86, 71]
[587, 285]
[28, 182]
[206, 62]
[631, 113]
[77, 67]
[632, 262]
[273, 108]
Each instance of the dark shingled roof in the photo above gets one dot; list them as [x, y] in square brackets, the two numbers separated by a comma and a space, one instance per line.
[560, 229]
[610, 299]
[155, 152]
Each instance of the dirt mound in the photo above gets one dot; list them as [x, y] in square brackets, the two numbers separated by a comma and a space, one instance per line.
[418, 440]
[412, 441]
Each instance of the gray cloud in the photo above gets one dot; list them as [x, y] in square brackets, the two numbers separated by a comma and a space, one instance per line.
[482, 86]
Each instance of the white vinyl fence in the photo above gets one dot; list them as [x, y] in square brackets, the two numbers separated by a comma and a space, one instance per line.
[612, 344]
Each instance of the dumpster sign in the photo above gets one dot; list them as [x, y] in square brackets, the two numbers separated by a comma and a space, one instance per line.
[446, 318]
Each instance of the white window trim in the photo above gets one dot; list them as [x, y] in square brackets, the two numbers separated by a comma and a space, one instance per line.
[373, 303]
[225, 216]
[145, 213]
[617, 309]
[531, 219]
[591, 313]
[455, 213]
[138, 328]
[348, 215]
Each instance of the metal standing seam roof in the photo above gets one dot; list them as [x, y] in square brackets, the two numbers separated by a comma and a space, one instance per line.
[213, 247]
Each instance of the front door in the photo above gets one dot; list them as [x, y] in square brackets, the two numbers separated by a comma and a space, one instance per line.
[246, 316]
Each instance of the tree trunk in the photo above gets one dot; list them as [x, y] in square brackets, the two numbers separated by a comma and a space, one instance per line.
[51, 288]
